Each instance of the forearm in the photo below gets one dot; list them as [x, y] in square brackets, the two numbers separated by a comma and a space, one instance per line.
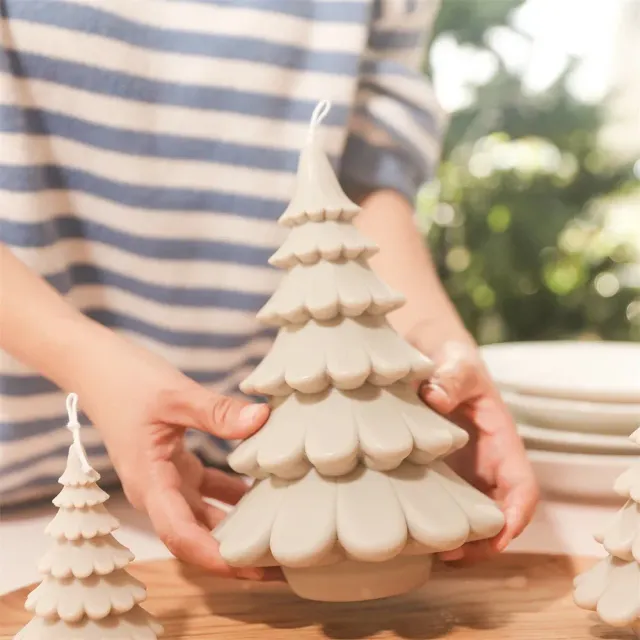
[37, 326]
[41, 330]
[404, 263]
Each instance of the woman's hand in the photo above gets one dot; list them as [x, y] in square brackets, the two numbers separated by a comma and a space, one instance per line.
[461, 389]
[140, 404]
[143, 407]
[494, 460]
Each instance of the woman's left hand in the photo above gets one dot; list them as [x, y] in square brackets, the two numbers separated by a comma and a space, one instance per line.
[494, 460]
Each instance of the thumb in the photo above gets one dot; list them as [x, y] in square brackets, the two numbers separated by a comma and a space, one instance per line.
[222, 416]
[454, 380]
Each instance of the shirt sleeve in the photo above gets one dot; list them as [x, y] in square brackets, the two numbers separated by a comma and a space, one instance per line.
[396, 127]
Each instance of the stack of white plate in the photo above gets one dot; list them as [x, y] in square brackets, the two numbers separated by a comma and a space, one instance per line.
[576, 405]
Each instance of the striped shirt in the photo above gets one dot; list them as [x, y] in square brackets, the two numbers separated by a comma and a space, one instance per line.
[147, 148]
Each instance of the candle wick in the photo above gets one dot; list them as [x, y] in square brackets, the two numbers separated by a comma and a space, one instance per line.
[319, 114]
[74, 426]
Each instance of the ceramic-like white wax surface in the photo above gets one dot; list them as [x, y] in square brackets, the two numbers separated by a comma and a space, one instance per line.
[86, 592]
[352, 499]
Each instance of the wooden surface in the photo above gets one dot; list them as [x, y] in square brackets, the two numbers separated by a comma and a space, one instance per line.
[515, 597]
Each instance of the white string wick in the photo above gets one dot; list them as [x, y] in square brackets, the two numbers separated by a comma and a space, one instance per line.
[74, 426]
[319, 114]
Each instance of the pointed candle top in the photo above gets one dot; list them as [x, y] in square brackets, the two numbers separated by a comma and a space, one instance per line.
[318, 195]
[74, 426]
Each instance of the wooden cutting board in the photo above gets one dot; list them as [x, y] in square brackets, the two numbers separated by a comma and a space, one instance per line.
[514, 597]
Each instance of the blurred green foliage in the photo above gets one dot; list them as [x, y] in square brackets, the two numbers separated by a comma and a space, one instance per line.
[512, 221]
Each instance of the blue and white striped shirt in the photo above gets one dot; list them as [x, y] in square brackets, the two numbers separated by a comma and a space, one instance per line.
[147, 148]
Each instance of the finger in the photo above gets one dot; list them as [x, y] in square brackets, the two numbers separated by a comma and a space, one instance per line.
[455, 379]
[519, 508]
[273, 574]
[478, 552]
[454, 555]
[208, 515]
[470, 553]
[223, 487]
[515, 482]
[227, 417]
[211, 516]
[179, 530]
[437, 398]
[195, 407]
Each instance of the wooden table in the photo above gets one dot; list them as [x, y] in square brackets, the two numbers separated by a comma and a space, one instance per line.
[515, 597]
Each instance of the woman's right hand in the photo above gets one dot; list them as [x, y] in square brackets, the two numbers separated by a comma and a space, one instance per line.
[142, 407]
[140, 404]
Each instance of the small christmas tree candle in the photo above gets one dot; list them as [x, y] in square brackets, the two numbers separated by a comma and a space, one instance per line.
[352, 499]
[86, 593]
[612, 586]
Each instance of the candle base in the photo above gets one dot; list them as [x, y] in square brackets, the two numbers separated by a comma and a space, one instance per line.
[353, 581]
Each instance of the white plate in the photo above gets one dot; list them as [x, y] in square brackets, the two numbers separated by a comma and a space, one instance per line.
[578, 476]
[572, 442]
[592, 371]
[574, 415]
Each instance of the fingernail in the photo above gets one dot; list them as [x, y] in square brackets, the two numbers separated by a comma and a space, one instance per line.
[500, 545]
[438, 396]
[511, 517]
[250, 574]
[250, 415]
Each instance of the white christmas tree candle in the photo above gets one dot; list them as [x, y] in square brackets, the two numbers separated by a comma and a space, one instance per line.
[352, 500]
[86, 594]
